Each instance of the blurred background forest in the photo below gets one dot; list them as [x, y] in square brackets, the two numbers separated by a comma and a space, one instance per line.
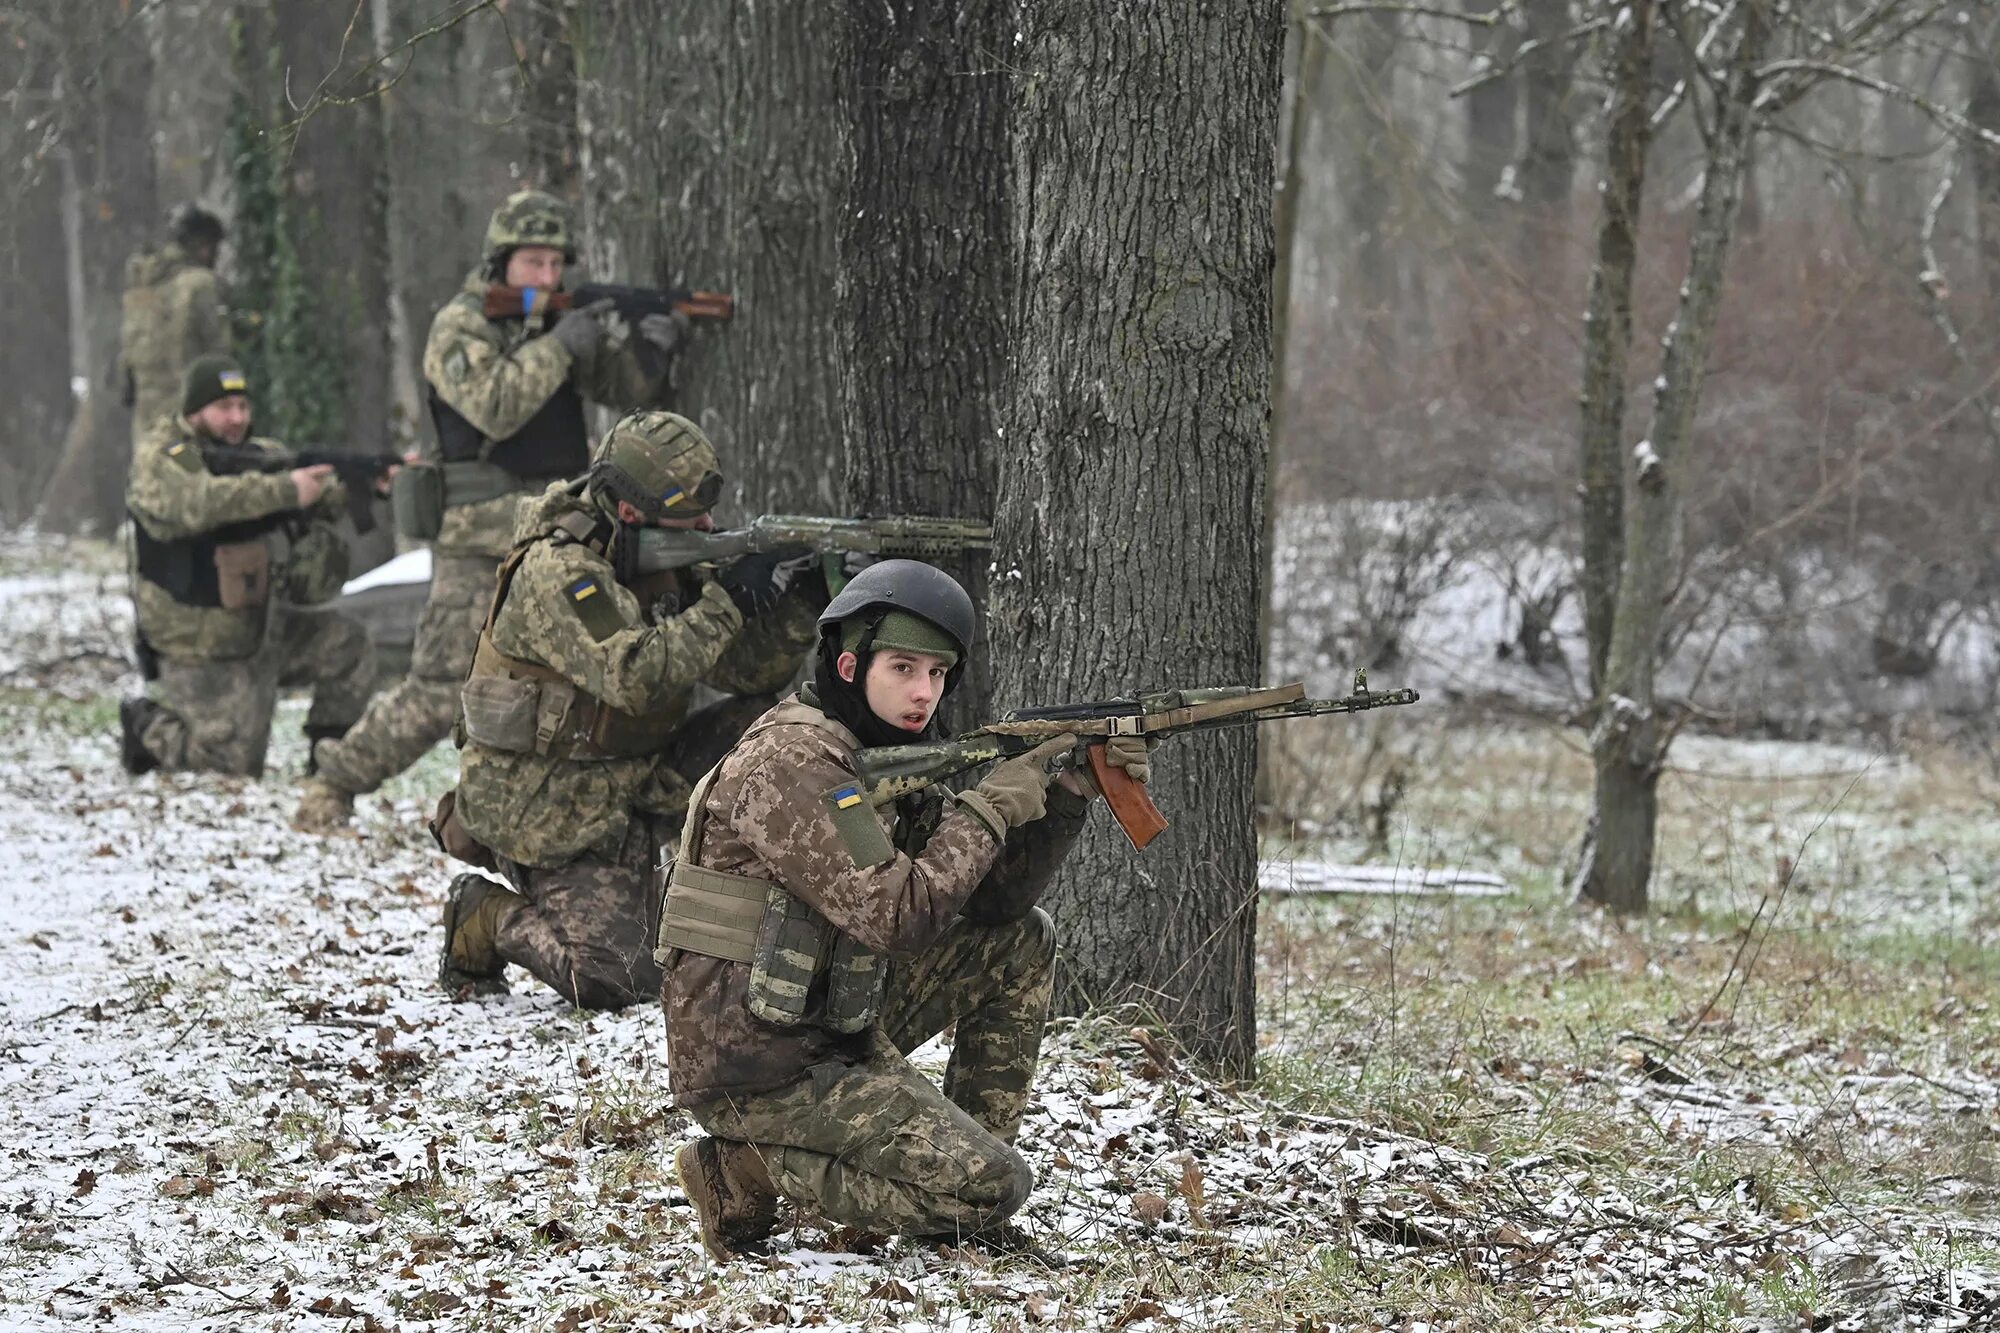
[1439, 172]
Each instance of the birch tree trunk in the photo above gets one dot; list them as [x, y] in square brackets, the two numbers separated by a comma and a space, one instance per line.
[1131, 478]
[1628, 741]
[925, 271]
[714, 157]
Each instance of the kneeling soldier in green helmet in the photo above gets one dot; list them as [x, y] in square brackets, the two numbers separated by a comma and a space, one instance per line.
[225, 566]
[579, 683]
[811, 941]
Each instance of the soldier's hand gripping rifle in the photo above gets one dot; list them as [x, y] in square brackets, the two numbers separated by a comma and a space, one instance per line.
[908, 537]
[892, 771]
[634, 303]
[360, 473]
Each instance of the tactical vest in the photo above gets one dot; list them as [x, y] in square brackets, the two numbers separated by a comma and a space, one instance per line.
[227, 566]
[516, 705]
[802, 969]
[552, 444]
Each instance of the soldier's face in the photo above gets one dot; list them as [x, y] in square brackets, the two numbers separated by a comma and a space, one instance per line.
[535, 266]
[902, 688]
[226, 419]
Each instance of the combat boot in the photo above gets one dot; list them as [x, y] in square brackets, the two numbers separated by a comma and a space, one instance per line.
[474, 909]
[731, 1190]
[133, 715]
[323, 807]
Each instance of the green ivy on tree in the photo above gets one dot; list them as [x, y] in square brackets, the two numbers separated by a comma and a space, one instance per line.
[288, 347]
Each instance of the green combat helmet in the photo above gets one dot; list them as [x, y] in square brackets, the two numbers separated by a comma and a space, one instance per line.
[530, 217]
[659, 463]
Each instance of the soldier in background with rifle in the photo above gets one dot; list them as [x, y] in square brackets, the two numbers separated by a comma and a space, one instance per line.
[227, 558]
[507, 393]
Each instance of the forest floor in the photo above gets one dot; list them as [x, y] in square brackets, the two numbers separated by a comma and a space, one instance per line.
[232, 1097]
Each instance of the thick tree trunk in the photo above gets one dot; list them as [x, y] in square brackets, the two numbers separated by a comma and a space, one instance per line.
[1628, 742]
[109, 152]
[1131, 495]
[715, 157]
[1608, 331]
[925, 270]
[549, 99]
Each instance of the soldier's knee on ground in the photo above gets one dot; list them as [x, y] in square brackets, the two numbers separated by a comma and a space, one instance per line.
[999, 1191]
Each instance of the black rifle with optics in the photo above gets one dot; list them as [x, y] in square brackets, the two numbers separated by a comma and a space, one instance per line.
[907, 537]
[897, 770]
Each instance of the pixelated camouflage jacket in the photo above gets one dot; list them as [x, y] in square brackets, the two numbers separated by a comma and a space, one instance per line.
[768, 815]
[172, 495]
[641, 651]
[172, 314]
[497, 374]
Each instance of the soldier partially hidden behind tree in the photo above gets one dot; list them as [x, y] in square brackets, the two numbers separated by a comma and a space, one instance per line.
[172, 314]
[507, 399]
[225, 563]
[811, 940]
[581, 679]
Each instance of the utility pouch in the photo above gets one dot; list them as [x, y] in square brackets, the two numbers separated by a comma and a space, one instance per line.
[454, 840]
[500, 712]
[416, 498]
[853, 987]
[242, 574]
[791, 938]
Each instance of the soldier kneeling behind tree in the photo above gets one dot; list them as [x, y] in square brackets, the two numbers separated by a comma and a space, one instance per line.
[811, 940]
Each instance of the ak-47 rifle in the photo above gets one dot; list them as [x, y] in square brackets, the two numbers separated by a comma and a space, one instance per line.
[908, 537]
[635, 303]
[891, 771]
[358, 472]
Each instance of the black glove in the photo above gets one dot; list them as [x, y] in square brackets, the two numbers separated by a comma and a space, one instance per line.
[754, 582]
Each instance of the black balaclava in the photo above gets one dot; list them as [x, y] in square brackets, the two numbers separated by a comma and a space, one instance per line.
[846, 701]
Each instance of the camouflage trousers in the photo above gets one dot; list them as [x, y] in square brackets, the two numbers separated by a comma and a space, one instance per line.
[879, 1146]
[217, 714]
[586, 928]
[407, 719]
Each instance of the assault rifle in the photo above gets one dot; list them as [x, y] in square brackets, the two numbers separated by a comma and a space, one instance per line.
[908, 537]
[888, 772]
[358, 472]
[635, 303]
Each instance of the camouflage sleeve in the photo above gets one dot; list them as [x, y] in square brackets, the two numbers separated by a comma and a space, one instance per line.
[203, 327]
[175, 495]
[786, 811]
[565, 610]
[618, 378]
[767, 653]
[1028, 863]
[497, 391]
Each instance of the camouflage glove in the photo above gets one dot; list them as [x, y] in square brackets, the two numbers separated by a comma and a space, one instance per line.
[1016, 792]
[581, 329]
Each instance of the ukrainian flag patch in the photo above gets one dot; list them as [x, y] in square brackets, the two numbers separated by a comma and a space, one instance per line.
[583, 588]
[673, 496]
[846, 797]
[232, 381]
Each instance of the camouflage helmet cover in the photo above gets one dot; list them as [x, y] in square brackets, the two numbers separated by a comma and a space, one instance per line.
[660, 463]
[530, 217]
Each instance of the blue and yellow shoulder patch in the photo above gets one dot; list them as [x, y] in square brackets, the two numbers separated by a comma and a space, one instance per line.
[860, 830]
[594, 606]
[185, 456]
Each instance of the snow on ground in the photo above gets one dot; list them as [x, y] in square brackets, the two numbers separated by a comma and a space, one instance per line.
[232, 1097]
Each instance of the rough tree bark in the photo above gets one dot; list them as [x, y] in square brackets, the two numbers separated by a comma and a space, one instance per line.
[925, 272]
[714, 157]
[1607, 324]
[1132, 460]
[1628, 740]
[108, 181]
